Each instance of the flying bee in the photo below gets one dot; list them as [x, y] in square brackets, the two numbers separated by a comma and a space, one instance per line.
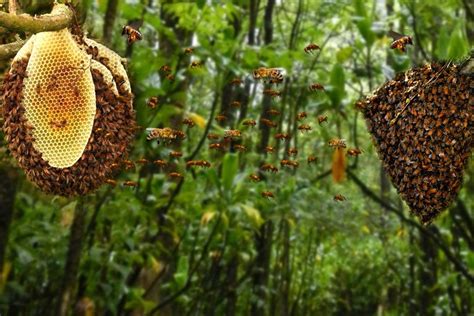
[310, 48]
[196, 64]
[129, 164]
[289, 163]
[58, 124]
[312, 159]
[189, 122]
[268, 123]
[292, 151]
[176, 154]
[280, 136]
[400, 41]
[240, 148]
[217, 146]
[165, 69]
[269, 167]
[337, 143]
[221, 118]
[235, 104]
[236, 82]
[232, 133]
[170, 77]
[131, 30]
[211, 136]
[130, 183]
[273, 112]
[272, 93]
[152, 102]
[189, 50]
[199, 163]
[111, 182]
[160, 163]
[322, 119]
[249, 122]
[339, 197]
[304, 128]
[142, 161]
[255, 178]
[300, 116]
[354, 152]
[269, 149]
[165, 134]
[175, 175]
[316, 86]
[267, 194]
[274, 75]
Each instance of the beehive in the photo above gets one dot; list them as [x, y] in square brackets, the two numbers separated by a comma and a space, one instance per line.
[422, 123]
[68, 112]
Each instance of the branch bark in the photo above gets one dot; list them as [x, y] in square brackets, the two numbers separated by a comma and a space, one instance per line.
[9, 50]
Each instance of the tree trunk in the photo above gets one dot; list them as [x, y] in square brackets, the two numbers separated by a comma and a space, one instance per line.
[8, 181]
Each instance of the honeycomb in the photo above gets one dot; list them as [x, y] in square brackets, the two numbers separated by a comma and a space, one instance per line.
[59, 98]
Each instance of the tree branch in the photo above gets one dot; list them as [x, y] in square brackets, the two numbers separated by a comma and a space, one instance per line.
[9, 50]
[58, 19]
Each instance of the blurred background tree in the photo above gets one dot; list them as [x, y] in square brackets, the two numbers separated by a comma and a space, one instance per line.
[210, 244]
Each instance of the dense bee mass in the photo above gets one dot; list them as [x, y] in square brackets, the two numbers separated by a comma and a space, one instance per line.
[422, 123]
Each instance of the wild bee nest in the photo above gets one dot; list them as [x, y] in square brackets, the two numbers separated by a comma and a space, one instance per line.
[422, 125]
[68, 114]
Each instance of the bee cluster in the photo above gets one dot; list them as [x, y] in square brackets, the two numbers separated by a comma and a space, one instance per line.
[422, 124]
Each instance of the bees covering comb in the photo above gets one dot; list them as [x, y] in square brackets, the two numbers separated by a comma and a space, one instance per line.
[425, 142]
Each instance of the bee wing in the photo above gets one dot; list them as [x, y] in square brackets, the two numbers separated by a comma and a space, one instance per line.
[136, 24]
[395, 35]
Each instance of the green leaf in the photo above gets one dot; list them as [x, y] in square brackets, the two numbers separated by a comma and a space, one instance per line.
[441, 47]
[458, 47]
[253, 215]
[230, 167]
[336, 92]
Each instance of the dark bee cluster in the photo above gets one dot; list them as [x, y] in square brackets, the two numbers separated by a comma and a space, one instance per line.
[422, 124]
[113, 130]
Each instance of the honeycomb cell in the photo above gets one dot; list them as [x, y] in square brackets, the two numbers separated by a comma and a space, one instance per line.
[59, 97]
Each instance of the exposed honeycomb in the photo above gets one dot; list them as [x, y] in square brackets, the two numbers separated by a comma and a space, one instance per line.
[59, 98]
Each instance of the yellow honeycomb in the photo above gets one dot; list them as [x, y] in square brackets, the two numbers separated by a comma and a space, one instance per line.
[59, 97]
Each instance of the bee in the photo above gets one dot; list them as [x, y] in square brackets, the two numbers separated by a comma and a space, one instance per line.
[322, 119]
[160, 163]
[354, 152]
[267, 194]
[236, 82]
[142, 161]
[170, 77]
[339, 197]
[272, 93]
[220, 118]
[268, 123]
[269, 149]
[179, 134]
[240, 148]
[273, 112]
[289, 163]
[269, 167]
[164, 134]
[189, 122]
[232, 133]
[196, 64]
[304, 128]
[175, 175]
[165, 69]
[212, 136]
[292, 151]
[274, 75]
[111, 182]
[58, 124]
[217, 146]
[130, 183]
[152, 102]
[255, 178]
[131, 30]
[189, 50]
[249, 122]
[235, 104]
[316, 86]
[280, 136]
[199, 163]
[300, 116]
[114, 166]
[128, 164]
[400, 41]
[176, 154]
[337, 143]
[310, 48]
[312, 159]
